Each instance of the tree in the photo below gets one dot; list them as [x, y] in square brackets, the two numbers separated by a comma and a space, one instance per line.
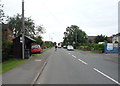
[3, 17]
[15, 23]
[100, 38]
[74, 35]
[54, 43]
[40, 30]
[38, 40]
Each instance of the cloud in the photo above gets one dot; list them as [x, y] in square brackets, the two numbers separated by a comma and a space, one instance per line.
[92, 16]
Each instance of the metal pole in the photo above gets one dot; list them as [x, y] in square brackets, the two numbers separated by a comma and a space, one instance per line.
[76, 36]
[23, 31]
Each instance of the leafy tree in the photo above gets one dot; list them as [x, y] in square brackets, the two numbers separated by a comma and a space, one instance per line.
[54, 43]
[15, 23]
[38, 40]
[3, 17]
[40, 30]
[74, 34]
[100, 38]
[2, 14]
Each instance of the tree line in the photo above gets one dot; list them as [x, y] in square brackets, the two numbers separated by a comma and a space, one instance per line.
[74, 36]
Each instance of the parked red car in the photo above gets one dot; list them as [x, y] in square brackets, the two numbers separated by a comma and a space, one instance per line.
[36, 49]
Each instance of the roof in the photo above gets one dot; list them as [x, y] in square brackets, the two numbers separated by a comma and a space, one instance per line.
[27, 37]
[91, 37]
[117, 34]
[30, 38]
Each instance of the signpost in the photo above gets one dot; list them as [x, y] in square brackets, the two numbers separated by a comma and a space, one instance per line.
[109, 46]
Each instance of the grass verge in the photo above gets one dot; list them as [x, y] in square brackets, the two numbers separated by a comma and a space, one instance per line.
[13, 63]
[95, 52]
[10, 64]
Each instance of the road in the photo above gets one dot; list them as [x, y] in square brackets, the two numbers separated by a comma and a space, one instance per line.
[79, 67]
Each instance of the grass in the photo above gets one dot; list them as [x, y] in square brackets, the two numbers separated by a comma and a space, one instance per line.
[0, 68]
[10, 64]
[13, 63]
[94, 52]
[82, 49]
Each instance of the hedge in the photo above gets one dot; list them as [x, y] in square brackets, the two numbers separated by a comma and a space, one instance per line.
[93, 46]
[7, 50]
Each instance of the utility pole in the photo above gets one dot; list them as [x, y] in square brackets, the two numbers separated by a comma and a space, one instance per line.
[23, 30]
[76, 36]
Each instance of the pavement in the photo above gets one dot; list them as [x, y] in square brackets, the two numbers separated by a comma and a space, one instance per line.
[27, 72]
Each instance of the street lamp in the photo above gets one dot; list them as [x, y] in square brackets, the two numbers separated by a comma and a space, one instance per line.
[51, 36]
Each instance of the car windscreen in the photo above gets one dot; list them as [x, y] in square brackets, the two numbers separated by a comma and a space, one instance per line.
[35, 47]
[71, 47]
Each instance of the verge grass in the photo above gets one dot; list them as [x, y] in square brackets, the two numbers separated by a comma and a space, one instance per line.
[13, 63]
[10, 64]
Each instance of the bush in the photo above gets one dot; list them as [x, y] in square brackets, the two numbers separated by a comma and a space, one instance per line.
[101, 47]
[7, 50]
[96, 46]
[93, 46]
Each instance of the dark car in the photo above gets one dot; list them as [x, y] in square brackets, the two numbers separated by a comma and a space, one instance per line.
[65, 47]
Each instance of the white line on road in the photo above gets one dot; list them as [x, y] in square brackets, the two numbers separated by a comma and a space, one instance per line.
[37, 60]
[106, 76]
[68, 53]
[82, 61]
[74, 56]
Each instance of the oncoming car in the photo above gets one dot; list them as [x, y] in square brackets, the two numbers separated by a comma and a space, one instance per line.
[70, 47]
[36, 49]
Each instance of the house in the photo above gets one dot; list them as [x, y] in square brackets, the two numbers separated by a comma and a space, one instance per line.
[92, 38]
[115, 38]
[109, 39]
[7, 33]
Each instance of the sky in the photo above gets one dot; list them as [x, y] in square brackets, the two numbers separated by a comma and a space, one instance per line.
[95, 17]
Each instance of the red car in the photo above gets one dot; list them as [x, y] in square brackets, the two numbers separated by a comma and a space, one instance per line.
[36, 49]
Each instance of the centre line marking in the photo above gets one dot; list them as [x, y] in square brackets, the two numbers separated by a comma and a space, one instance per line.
[68, 53]
[74, 56]
[82, 61]
[107, 76]
[37, 60]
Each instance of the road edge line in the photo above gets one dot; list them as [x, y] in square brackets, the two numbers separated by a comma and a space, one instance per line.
[38, 75]
[106, 76]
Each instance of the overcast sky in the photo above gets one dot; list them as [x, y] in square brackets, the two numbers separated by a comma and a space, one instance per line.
[95, 17]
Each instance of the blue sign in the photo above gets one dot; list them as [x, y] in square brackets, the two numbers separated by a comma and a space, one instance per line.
[111, 47]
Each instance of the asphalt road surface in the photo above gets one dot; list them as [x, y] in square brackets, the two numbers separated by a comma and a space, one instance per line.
[79, 67]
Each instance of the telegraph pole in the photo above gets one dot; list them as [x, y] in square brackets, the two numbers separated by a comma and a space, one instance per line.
[23, 30]
[76, 36]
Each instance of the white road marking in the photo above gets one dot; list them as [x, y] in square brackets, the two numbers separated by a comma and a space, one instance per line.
[37, 60]
[68, 53]
[106, 76]
[39, 83]
[82, 61]
[36, 77]
[74, 56]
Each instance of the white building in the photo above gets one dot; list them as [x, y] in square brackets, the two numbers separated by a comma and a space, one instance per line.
[116, 38]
